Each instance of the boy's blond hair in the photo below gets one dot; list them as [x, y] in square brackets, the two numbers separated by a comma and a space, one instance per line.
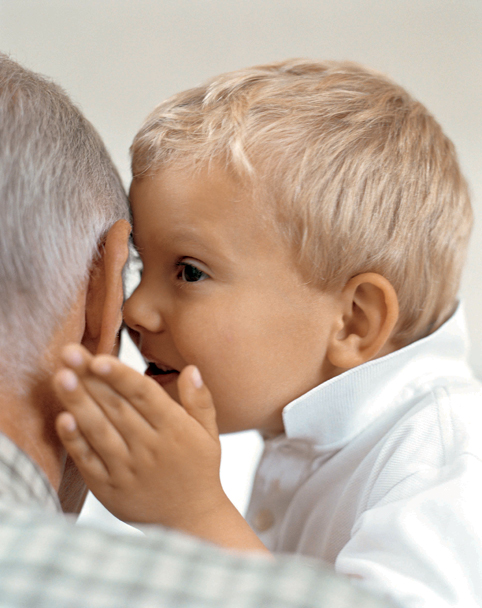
[362, 176]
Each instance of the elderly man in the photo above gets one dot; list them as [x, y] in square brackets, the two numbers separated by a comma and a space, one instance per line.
[63, 245]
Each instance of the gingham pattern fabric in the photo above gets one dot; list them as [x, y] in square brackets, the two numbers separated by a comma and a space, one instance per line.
[22, 481]
[47, 562]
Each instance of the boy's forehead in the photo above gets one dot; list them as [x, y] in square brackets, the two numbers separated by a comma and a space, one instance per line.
[205, 208]
[182, 189]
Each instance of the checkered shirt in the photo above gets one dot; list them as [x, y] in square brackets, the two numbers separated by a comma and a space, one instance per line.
[47, 562]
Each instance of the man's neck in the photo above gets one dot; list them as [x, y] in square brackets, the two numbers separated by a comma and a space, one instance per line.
[28, 420]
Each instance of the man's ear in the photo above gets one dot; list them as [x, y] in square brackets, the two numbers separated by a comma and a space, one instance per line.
[369, 314]
[105, 294]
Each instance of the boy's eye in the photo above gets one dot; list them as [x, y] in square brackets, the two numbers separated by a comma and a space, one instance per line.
[190, 273]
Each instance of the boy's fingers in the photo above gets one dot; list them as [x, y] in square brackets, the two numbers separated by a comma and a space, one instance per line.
[143, 393]
[88, 462]
[122, 416]
[196, 399]
[94, 426]
[125, 418]
[77, 358]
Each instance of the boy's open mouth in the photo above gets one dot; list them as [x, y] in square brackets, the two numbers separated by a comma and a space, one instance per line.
[161, 374]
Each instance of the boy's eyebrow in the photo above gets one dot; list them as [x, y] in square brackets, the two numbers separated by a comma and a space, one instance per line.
[210, 248]
[205, 248]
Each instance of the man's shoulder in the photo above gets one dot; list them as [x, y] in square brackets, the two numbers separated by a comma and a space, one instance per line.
[46, 561]
[22, 481]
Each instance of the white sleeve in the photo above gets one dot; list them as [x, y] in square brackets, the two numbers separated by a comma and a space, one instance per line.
[421, 546]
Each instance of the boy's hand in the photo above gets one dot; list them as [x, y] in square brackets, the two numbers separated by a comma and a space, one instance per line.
[146, 458]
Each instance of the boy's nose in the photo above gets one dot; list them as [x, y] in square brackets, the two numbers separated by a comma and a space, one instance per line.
[140, 315]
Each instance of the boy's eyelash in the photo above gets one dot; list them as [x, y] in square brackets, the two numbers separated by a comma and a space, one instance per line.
[182, 264]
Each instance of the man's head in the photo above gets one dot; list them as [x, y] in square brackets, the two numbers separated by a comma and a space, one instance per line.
[59, 196]
[359, 177]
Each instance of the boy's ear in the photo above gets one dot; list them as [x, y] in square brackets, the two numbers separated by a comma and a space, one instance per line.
[369, 314]
[105, 293]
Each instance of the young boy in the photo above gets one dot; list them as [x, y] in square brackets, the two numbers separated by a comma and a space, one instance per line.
[302, 228]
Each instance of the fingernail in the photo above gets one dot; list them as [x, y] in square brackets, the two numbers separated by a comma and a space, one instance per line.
[196, 378]
[68, 380]
[69, 422]
[100, 366]
[73, 357]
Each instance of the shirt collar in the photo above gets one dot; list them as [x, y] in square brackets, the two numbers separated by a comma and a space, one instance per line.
[22, 481]
[334, 412]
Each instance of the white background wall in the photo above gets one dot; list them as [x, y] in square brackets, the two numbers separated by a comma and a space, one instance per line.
[118, 58]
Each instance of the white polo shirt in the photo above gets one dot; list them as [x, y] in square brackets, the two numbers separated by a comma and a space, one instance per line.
[379, 472]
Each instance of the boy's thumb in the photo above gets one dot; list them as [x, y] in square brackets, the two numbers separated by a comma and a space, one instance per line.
[196, 399]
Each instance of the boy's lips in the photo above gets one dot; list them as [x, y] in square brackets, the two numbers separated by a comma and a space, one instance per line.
[162, 374]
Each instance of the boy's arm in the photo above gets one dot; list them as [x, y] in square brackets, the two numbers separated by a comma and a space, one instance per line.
[147, 459]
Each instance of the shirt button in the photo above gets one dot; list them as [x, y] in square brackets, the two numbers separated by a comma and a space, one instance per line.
[263, 520]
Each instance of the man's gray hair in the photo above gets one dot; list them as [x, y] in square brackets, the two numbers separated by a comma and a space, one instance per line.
[59, 194]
